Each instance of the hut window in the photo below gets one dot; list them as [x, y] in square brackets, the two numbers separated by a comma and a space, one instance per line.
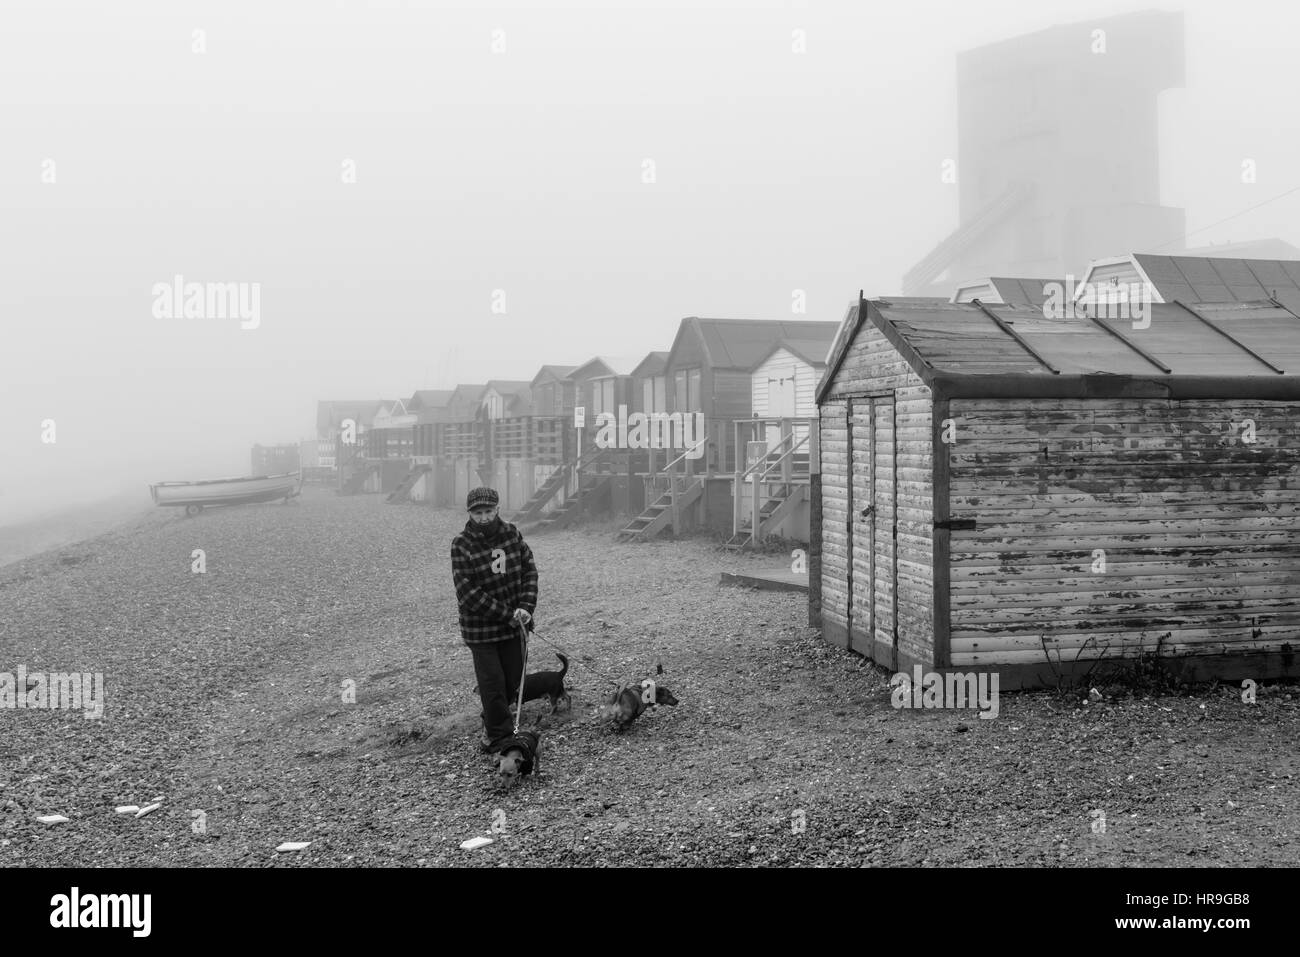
[687, 387]
[602, 396]
[653, 394]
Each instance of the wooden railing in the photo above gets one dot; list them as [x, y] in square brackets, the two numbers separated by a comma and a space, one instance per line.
[761, 471]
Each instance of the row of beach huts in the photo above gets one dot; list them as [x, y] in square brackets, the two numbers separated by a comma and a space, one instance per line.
[982, 482]
[662, 440]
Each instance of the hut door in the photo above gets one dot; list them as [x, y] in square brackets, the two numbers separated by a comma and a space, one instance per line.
[861, 531]
[872, 527]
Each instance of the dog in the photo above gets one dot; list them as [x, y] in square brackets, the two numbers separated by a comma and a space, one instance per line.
[549, 684]
[518, 758]
[626, 705]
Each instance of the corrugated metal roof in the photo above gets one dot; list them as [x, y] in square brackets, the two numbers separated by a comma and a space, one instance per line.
[1205, 346]
[1004, 289]
[1026, 291]
[1210, 279]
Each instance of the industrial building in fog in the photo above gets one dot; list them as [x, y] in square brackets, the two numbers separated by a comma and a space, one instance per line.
[1058, 151]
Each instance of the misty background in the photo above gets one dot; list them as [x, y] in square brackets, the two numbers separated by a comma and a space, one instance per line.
[475, 171]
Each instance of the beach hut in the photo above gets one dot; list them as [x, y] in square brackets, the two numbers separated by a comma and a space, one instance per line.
[771, 475]
[649, 384]
[1198, 278]
[1004, 289]
[708, 376]
[997, 490]
[342, 434]
[507, 398]
[553, 391]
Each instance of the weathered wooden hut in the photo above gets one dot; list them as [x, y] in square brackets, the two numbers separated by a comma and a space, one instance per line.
[602, 384]
[553, 391]
[507, 398]
[996, 490]
[650, 384]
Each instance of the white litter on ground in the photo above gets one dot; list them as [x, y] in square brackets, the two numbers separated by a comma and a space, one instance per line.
[127, 809]
[292, 846]
[52, 819]
[474, 843]
[147, 810]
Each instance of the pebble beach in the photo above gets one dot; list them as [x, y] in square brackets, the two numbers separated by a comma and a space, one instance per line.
[304, 681]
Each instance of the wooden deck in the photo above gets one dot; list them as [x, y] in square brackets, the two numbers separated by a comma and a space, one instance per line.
[779, 578]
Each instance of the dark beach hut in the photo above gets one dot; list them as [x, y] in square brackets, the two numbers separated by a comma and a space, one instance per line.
[996, 490]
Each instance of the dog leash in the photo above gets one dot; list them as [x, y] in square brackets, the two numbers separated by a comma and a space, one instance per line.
[595, 671]
[519, 706]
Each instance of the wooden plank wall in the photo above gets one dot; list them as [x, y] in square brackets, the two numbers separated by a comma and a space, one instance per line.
[1200, 531]
[873, 367]
[780, 364]
[834, 555]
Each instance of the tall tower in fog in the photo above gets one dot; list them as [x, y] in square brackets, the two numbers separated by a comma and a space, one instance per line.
[1058, 151]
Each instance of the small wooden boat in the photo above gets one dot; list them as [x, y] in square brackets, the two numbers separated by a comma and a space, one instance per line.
[227, 491]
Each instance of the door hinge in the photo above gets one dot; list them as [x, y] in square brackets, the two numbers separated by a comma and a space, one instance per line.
[956, 523]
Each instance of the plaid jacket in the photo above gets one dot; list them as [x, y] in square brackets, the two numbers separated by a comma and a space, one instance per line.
[487, 597]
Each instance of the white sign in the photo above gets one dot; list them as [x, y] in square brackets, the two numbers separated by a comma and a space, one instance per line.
[579, 416]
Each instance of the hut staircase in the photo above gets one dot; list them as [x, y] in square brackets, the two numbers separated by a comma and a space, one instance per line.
[658, 515]
[593, 478]
[542, 497]
[776, 484]
[775, 508]
[403, 491]
[357, 480]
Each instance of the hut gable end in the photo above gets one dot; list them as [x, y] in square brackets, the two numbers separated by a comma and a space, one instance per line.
[877, 562]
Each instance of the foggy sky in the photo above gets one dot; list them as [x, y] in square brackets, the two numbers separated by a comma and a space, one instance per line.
[475, 171]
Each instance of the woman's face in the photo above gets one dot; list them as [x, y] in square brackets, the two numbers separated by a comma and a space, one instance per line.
[484, 514]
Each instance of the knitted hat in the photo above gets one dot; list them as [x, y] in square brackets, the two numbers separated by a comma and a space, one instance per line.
[481, 496]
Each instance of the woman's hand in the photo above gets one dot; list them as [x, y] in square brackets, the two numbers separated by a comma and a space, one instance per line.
[522, 617]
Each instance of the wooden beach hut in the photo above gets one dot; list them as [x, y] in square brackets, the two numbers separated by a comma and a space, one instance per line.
[995, 490]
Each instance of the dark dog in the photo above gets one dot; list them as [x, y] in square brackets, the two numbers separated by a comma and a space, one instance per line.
[549, 684]
[629, 701]
[518, 757]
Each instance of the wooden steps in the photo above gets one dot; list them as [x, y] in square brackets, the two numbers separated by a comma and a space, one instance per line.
[357, 480]
[771, 513]
[542, 497]
[403, 491]
[659, 513]
[594, 486]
